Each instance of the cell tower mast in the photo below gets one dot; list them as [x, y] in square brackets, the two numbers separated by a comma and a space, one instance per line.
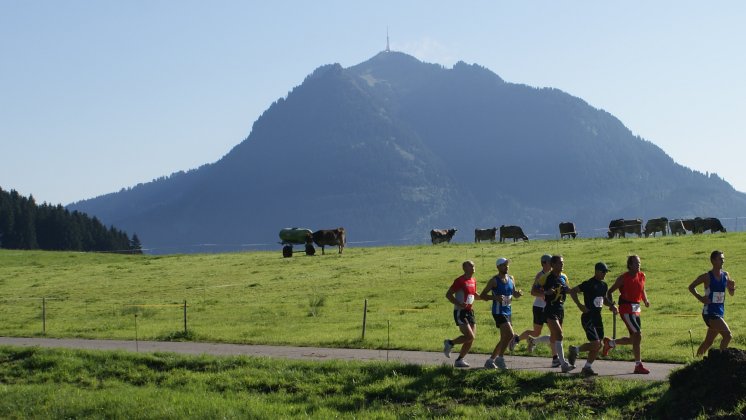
[387, 40]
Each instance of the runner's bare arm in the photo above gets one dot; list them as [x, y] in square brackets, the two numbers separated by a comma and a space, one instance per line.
[703, 279]
[574, 296]
[485, 295]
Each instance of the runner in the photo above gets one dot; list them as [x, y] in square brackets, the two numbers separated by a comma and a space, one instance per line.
[554, 286]
[631, 287]
[462, 293]
[594, 298]
[532, 336]
[716, 282]
[503, 291]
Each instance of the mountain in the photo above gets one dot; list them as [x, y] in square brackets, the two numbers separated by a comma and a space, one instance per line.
[393, 147]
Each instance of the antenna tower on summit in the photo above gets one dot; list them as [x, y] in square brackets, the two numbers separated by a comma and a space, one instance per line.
[387, 40]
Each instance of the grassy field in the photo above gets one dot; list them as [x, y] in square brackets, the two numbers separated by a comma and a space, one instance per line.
[44, 383]
[259, 297]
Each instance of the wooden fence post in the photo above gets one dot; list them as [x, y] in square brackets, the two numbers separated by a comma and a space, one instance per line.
[185, 317]
[43, 316]
[365, 316]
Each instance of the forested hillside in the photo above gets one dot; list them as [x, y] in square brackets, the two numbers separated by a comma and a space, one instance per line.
[26, 225]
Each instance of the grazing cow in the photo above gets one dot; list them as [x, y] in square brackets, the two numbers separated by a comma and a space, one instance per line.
[677, 227]
[567, 229]
[514, 232]
[656, 225]
[709, 223]
[619, 227]
[442, 235]
[689, 224]
[485, 234]
[330, 237]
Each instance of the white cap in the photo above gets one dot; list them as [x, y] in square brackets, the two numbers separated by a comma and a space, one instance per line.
[501, 261]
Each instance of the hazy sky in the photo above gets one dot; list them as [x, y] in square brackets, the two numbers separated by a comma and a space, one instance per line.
[99, 95]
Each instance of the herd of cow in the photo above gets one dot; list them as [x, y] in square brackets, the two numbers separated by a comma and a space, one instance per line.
[617, 228]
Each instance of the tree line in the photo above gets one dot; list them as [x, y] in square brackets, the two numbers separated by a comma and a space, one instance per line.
[26, 225]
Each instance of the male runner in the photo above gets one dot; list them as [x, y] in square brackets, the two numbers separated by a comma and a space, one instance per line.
[503, 291]
[594, 298]
[555, 286]
[532, 336]
[462, 294]
[631, 287]
[716, 282]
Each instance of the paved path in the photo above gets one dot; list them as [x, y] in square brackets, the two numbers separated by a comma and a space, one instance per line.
[605, 368]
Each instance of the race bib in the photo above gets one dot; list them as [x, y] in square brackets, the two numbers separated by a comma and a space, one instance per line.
[469, 299]
[506, 300]
[718, 297]
[598, 302]
[635, 307]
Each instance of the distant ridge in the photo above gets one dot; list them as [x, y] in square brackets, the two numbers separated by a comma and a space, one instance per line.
[393, 147]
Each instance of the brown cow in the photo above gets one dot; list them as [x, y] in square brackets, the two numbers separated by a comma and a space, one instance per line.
[485, 234]
[330, 237]
[618, 227]
[442, 235]
[567, 229]
[677, 227]
[656, 225]
[514, 232]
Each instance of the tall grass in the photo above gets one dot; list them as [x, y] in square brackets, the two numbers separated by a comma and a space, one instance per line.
[262, 298]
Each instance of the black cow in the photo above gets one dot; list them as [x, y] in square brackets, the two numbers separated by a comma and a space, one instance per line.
[709, 223]
[689, 224]
[330, 237]
[514, 232]
[485, 234]
[677, 227]
[619, 227]
[442, 235]
[656, 225]
[567, 229]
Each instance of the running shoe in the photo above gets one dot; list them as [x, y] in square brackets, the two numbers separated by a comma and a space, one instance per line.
[513, 342]
[587, 371]
[607, 347]
[573, 355]
[501, 363]
[567, 367]
[531, 344]
[641, 369]
[461, 363]
[490, 364]
[555, 362]
[447, 346]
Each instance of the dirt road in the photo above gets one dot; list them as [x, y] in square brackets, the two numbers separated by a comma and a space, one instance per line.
[605, 368]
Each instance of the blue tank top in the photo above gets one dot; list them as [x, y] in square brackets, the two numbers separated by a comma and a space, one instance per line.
[716, 294]
[502, 306]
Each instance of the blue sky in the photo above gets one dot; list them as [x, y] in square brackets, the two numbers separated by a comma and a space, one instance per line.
[100, 95]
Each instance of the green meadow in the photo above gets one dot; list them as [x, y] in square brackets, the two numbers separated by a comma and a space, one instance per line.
[262, 298]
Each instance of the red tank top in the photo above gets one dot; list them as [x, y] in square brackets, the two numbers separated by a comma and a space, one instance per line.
[630, 294]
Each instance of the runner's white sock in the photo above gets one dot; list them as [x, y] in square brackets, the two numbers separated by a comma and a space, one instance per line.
[588, 364]
[612, 343]
[560, 352]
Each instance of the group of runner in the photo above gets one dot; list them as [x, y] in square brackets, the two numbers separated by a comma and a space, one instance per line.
[550, 289]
